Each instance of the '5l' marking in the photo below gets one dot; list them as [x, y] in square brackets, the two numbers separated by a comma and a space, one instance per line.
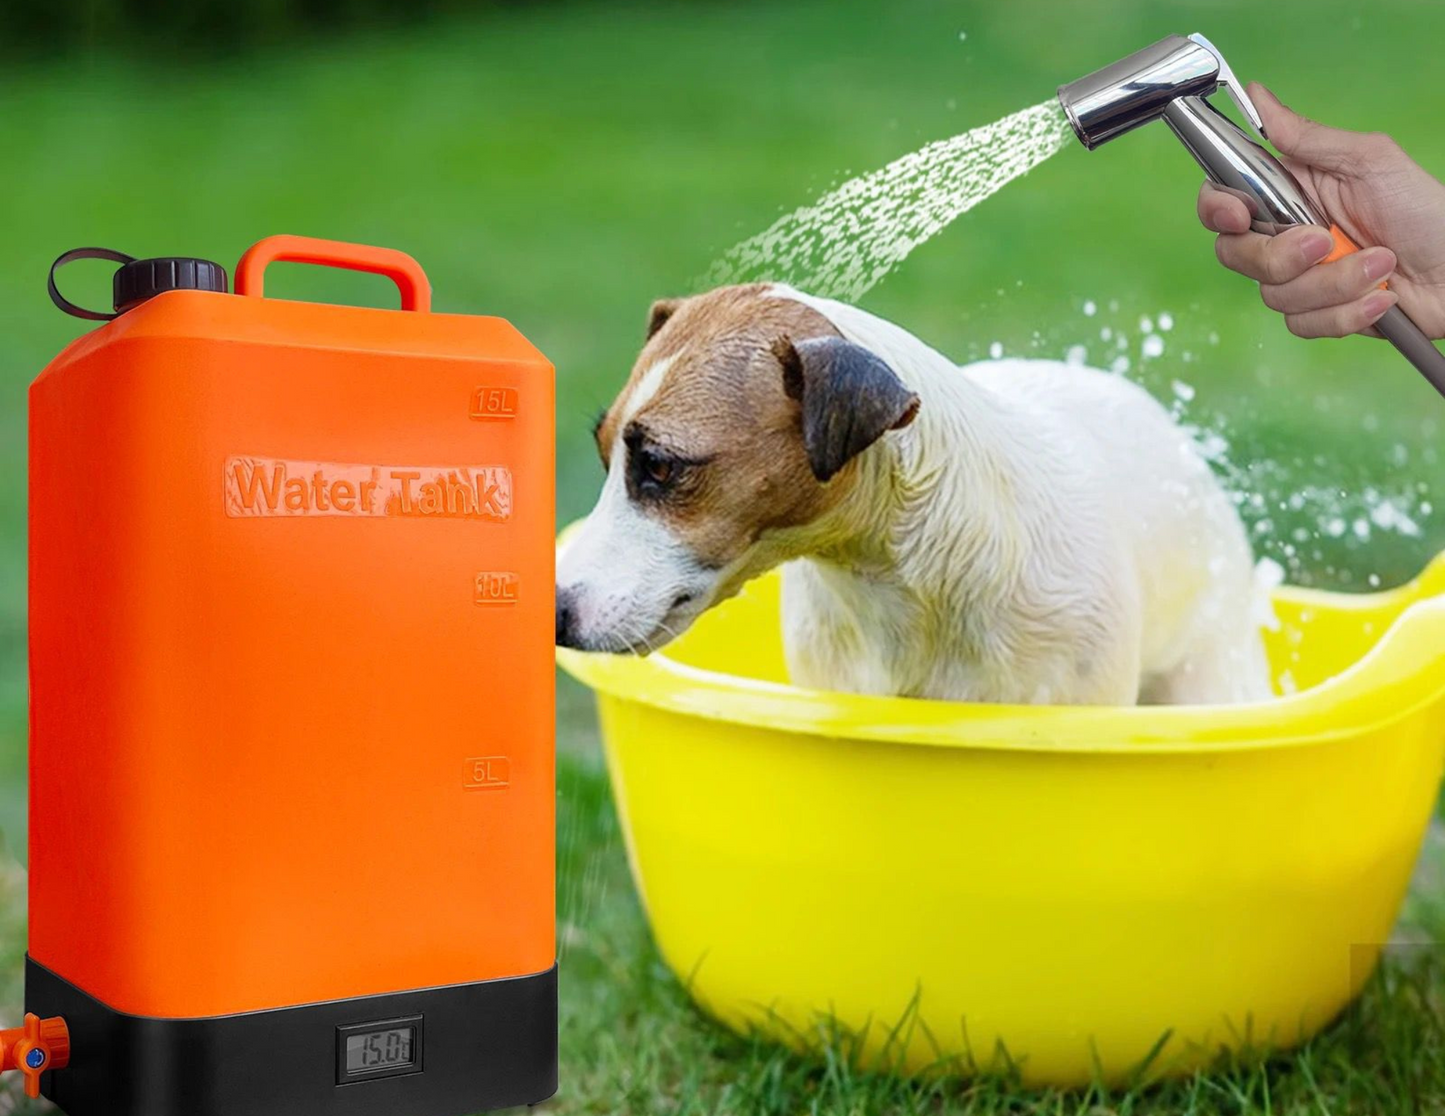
[488, 773]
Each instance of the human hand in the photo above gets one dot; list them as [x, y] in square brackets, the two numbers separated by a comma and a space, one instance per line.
[1377, 194]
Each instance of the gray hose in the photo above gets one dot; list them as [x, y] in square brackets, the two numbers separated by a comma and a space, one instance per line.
[1405, 335]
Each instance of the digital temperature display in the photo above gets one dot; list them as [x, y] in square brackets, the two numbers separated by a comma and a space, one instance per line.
[382, 1049]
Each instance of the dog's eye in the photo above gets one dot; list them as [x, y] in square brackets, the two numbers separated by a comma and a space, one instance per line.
[656, 469]
[657, 472]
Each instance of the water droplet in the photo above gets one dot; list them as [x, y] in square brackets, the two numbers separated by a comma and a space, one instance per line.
[1166, 321]
[1183, 391]
[1153, 345]
[1090, 308]
[996, 350]
[1389, 516]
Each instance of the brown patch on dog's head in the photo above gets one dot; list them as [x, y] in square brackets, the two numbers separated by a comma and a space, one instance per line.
[742, 415]
[662, 309]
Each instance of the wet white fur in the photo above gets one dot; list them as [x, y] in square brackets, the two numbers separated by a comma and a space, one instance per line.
[1039, 533]
[624, 568]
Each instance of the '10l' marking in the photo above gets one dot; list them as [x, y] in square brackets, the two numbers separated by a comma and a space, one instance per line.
[265, 486]
[496, 589]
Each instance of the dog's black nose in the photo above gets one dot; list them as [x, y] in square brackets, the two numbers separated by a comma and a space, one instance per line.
[566, 619]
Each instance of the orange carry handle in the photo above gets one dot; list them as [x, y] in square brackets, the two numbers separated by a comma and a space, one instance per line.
[40, 1046]
[396, 266]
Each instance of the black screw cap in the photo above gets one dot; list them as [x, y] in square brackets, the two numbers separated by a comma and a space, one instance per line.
[137, 280]
[142, 279]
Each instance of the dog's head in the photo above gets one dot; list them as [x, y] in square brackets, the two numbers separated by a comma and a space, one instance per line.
[738, 429]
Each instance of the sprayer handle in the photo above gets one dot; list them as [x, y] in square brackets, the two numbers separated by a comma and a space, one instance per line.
[1344, 246]
[1395, 325]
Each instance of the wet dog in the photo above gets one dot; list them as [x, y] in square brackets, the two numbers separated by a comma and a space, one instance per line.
[1012, 531]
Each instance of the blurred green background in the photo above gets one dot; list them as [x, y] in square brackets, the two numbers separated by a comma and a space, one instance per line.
[563, 164]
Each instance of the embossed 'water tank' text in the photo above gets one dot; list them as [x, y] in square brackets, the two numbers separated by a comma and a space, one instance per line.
[265, 486]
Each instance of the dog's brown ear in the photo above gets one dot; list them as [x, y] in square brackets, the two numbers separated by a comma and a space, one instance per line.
[662, 309]
[848, 396]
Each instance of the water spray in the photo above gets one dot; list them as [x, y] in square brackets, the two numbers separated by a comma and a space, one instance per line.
[1171, 81]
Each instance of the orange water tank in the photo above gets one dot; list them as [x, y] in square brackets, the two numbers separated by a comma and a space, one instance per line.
[291, 686]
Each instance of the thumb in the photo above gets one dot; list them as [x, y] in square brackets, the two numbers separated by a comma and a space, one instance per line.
[1331, 149]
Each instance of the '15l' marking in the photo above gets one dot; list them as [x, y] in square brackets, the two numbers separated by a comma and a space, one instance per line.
[494, 403]
[488, 773]
[266, 486]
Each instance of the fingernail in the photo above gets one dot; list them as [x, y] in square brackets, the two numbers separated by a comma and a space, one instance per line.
[1377, 303]
[1377, 263]
[1315, 245]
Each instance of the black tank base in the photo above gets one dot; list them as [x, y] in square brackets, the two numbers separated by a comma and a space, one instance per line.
[438, 1052]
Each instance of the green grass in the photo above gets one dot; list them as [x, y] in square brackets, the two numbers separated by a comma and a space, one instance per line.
[562, 165]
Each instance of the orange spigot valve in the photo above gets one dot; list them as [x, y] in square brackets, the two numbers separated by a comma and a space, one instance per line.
[39, 1046]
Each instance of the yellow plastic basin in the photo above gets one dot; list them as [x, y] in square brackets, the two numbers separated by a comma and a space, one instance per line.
[1068, 885]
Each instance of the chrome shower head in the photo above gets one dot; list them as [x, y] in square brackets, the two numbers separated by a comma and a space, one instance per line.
[1139, 88]
[1170, 81]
